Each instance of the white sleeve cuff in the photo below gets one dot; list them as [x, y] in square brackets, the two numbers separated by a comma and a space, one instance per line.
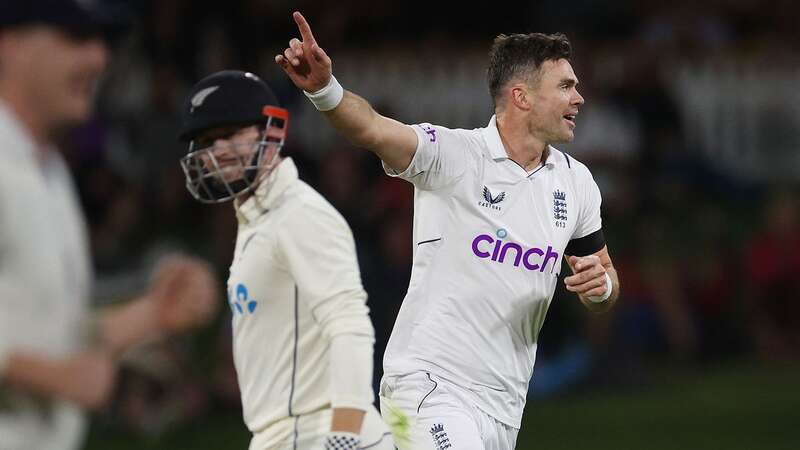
[351, 371]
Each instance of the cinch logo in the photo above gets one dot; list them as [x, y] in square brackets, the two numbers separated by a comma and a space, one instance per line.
[533, 258]
[241, 303]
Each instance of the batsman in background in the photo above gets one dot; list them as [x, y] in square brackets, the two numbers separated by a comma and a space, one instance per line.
[495, 210]
[302, 337]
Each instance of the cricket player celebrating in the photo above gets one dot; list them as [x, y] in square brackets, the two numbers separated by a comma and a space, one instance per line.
[302, 337]
[496, 209]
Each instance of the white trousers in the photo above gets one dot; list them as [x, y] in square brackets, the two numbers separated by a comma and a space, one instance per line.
[442, 416]
[308, 432]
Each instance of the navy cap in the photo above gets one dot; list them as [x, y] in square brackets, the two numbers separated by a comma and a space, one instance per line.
[226, 98]
[82, 16]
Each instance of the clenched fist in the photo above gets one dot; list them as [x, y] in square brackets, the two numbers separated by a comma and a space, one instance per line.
[589, 279]
[185, 292]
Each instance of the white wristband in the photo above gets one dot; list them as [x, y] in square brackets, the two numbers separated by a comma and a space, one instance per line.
[328, 97]
[606, 295]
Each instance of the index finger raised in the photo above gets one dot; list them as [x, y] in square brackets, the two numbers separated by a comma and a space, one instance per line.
[305, 29]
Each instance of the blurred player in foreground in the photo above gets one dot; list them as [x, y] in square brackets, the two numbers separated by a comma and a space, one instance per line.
[302, 337]
[57, 359]
[495, 209]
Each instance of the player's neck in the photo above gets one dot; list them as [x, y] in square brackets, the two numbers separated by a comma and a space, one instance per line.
[521, 146]
[33, 123]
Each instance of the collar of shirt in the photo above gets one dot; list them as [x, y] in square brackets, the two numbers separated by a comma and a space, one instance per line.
[16, 139]
[498, 151]
[268, 192]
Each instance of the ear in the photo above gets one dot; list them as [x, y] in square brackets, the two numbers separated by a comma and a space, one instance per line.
[520, 97]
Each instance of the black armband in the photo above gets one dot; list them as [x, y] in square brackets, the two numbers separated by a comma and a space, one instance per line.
[587, 245]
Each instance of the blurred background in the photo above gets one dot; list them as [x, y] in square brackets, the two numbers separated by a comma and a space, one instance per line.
[691, 127]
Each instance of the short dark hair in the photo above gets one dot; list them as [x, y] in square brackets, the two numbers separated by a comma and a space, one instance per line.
[520, 55]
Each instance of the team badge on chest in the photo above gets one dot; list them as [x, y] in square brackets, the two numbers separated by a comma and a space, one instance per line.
[560, 208]
[491, 201]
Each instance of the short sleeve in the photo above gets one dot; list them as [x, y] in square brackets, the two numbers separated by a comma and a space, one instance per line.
[588, 235]
[589, 218]
[439, 159]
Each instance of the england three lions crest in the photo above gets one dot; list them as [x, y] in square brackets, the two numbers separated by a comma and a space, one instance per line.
[560, 208]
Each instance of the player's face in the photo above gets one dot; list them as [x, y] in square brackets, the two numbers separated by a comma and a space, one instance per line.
[56, 70]
[233, 149]
[555, 102]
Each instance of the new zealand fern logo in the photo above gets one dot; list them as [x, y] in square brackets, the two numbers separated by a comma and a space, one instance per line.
[240, 301]
[491, 201]
[200, 97]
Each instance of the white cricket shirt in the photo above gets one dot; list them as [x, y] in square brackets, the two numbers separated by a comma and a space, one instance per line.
[488, 243]
[294, 284]
[45, 275]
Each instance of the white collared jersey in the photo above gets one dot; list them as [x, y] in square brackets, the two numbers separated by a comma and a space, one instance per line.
[45, 283]
[294, 284]
[488, 242]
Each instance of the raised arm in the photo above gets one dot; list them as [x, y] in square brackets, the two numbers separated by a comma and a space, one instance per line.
[309, 68]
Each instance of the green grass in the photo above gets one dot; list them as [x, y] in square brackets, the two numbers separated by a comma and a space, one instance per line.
[729, 408]
[216, 432]
[733, 407]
